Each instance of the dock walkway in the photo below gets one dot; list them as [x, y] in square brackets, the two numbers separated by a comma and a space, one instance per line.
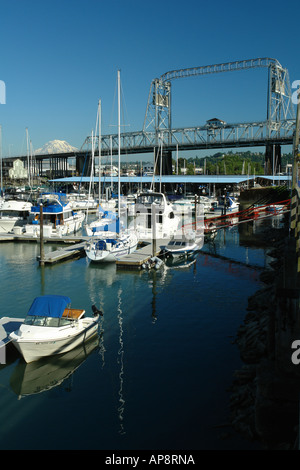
[64, 253]
[133, 260]
[12, 237]
[73, 247]
[136, 259]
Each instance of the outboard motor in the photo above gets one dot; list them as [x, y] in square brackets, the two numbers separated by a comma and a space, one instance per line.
[96, 311]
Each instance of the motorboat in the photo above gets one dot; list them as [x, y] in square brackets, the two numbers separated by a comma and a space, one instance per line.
[232, 204]
[111, 248]
[184, 245]
[228, 204]
[14, 215]
[154, 212]
[52, 327]
[58, 216]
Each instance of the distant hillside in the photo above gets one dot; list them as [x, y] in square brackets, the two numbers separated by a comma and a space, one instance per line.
[55, 146]
[231, 163]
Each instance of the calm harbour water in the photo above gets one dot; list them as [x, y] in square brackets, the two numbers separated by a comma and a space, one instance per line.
[158, 376]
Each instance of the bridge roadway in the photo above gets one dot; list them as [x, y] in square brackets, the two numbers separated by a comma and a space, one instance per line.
[253, 134]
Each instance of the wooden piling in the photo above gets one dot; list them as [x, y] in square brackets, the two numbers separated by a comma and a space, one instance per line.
[42, 253]
[153, 213]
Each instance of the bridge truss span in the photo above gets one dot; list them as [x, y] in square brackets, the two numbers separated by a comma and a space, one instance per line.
[209, 136]
[219, 68]
[277, 129]
[279, 97]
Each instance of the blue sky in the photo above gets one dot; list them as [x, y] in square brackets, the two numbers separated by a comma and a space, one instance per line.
[58, 58]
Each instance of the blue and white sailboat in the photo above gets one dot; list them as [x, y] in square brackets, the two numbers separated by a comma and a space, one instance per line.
[106, 222]
[109, 246]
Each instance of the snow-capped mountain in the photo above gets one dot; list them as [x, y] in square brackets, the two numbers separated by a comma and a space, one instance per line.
[55, 146]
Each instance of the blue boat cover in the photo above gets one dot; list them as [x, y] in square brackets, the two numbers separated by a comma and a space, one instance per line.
[49, 306]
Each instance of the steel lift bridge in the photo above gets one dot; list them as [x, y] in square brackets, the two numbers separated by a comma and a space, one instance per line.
[278, 128]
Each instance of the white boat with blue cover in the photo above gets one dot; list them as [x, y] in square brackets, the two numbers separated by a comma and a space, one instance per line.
[53, 327]
[58, 216]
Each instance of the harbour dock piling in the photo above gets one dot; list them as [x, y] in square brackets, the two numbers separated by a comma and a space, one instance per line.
[42, 253]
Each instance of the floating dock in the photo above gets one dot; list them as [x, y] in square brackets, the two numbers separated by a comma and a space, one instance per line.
[140, 256]
[134, 260]
[73, 247]
[12, 237]
[63, 253]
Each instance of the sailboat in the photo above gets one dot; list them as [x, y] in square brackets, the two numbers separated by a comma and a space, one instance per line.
[113, 245]
[106, 220]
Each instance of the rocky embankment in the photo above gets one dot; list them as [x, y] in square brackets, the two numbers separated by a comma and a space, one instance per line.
[265, 391]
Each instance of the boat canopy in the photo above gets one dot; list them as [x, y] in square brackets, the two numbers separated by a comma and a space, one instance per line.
[49, 306]
[52, 202]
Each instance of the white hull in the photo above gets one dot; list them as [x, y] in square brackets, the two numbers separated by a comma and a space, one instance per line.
[107, 256]
[179, 248]
[47, 345]
[108, 205]
[148, 204]
[112, 255]
[184, 252]
[162, 231]
[7, 224]
[83, 205]
[14, 213]
[99, 227]
[70, 226]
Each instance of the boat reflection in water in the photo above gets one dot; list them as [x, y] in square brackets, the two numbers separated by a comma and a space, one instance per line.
[181, 262]
[45, 374]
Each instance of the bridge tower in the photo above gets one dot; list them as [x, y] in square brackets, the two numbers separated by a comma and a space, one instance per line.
[279, 103]
[279, 108]
[158, 117]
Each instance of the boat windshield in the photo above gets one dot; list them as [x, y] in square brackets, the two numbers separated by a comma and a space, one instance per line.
[150, 199]
[46, 321]
[11, 213]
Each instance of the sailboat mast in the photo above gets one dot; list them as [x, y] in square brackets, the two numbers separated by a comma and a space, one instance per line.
[119, 147]
[99, 146]
[111, 167]
[28, 164]
[92, 175]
